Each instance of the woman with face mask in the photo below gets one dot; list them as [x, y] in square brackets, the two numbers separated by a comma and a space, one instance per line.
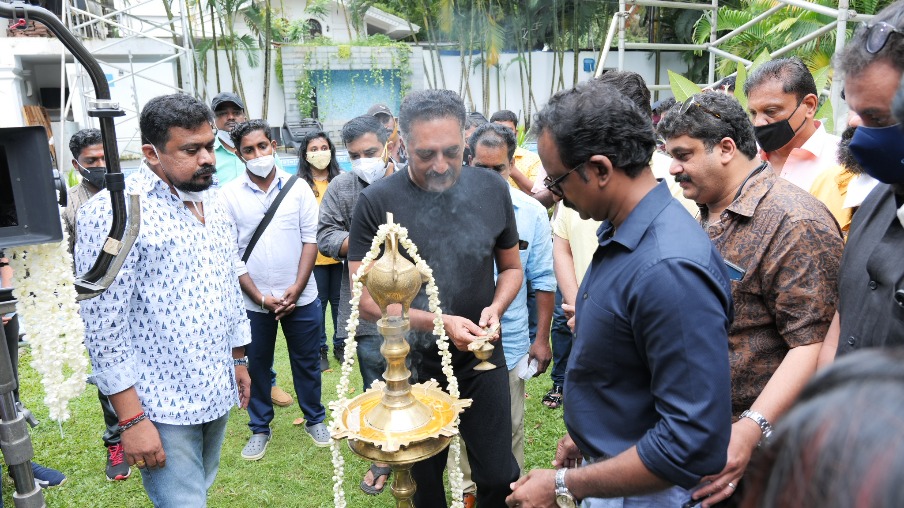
[317, 165]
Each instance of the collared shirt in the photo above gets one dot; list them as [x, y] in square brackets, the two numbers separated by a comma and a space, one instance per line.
[229, 165]
[830, 187]
[580, 235]
[870, 308]
[783, 249]
[527, 163]
[336, 210]
[649, 362]
[75, 198]
[535, 248]
[273, 264]
[169, 321]
[816, 155]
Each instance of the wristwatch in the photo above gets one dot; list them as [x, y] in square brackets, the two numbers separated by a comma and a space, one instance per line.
[761, 421]
[243, 361]
[564, 497]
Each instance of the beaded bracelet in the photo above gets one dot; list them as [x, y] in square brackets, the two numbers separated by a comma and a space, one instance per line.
[127, 420]
[132, 423]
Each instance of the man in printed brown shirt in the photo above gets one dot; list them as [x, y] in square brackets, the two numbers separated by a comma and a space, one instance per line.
[782, 248]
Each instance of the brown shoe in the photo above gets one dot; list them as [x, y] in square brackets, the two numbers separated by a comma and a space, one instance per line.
[470, 500]
[280, 397]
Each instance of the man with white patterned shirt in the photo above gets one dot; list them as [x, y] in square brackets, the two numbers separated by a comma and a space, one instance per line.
[167, 338]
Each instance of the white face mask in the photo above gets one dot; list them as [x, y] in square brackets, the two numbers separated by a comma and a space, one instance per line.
[261, 166]
[371, 168]
[319, 160]
[224, 138]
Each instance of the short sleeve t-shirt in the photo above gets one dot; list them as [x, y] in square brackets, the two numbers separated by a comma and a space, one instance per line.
[456, 233]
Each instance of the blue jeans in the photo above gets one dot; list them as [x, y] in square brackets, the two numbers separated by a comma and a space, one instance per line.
[192, 460]
[673, 496]
[329, 278]
[370, 362]
[561, 342]
[302, 331]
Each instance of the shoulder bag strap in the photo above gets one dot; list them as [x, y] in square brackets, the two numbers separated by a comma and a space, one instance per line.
[268, 217]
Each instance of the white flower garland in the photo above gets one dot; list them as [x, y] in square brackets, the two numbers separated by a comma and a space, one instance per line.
[456, 478]
[46, 304]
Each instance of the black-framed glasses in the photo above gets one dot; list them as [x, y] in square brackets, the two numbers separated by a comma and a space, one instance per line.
[686, 106]
[555, 185]
[877, 35]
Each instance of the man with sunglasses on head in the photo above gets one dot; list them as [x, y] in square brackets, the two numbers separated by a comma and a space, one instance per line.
[781, 247]
[782, 101]
[648, 382]
[871, 283]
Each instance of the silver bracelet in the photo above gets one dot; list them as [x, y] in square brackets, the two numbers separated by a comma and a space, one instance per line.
[132, 423]
[760, 420]
[263, 299]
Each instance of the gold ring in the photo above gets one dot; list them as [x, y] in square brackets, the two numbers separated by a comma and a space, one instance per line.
[732, 485]
[139, 463]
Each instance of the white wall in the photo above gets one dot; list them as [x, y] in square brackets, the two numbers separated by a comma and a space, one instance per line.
[642, 62]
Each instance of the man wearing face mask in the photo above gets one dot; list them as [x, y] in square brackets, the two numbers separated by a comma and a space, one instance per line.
[87, 151]
[782, 102]
[395, 145]
[229, 111]
[276, 280]
[871, 282]
[366, 139]
[167, 338]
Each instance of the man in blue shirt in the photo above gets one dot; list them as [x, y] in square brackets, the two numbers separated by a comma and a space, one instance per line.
[649, 410]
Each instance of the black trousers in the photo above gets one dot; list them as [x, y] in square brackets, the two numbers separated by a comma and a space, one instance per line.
[486, 428]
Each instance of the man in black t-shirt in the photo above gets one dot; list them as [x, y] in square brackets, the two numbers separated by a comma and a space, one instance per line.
[462, 221]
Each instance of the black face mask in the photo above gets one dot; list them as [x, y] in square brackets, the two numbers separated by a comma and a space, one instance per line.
[94, 176]
[773, 136]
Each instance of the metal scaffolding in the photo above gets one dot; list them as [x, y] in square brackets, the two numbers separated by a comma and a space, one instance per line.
[117, 22]
[842, 15]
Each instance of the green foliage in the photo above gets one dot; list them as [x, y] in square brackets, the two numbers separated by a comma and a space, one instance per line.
[345, 51]
[682, 88]
[293, 474]
[826, 115]
[305, 95]
[740, 79]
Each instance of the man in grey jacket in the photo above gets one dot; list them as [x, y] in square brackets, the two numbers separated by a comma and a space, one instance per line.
[366, 140]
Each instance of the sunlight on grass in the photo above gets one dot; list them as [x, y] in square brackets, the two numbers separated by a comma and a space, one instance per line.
[294, 473]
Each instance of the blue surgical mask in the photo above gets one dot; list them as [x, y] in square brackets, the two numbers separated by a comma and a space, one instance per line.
[880, 151]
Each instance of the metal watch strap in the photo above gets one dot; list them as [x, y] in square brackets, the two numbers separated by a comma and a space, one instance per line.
[240, 361]
[761, 421]
[561, 488]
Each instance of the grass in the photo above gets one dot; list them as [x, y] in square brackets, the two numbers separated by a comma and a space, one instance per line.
[294, 473]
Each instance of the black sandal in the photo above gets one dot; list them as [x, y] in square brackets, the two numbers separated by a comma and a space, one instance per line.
[554, 397]
[377, 471]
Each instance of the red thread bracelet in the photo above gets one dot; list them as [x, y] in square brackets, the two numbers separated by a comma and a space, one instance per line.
[130, 420]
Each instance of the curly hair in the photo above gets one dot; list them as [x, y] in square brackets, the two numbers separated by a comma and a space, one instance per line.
[164, 112]
[83, 139]
[594, 118]
[701, 122]
[243, 129]
[854, 57]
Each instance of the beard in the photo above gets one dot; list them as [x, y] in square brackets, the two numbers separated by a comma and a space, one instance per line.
[203, 185]
[844, 155]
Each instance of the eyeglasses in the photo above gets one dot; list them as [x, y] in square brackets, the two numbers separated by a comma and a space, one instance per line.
[877, 35]
[686, 106]
[555, 186]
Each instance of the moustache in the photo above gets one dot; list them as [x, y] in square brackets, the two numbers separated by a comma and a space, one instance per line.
[434, 175]
[205, 171]
[682, 177]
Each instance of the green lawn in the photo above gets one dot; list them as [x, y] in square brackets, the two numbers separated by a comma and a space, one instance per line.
[294, 473]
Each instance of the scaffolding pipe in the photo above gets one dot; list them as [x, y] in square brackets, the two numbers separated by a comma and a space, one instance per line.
[665, 46]
[747, 25]
[604, 53]
[713, 35]
[672, 5]
[805, 39]
[621, 36]
[729, 56]
[819, 9]
[839, 107]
